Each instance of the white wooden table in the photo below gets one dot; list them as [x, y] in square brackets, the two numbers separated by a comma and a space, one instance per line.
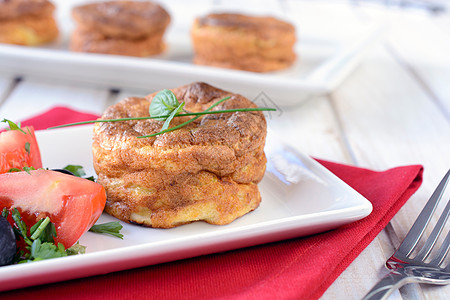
[392, 110]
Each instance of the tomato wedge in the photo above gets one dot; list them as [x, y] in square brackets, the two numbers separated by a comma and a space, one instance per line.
[19, 149]
[73, 204]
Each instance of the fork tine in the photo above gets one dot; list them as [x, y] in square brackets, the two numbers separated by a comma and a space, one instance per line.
[443, 251]
[425, 251]
[416, 231]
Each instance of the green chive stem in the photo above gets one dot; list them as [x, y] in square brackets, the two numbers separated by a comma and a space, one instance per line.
[21, 226]
[166, 116]
[187, 122]
[196, 114]
[41, 228]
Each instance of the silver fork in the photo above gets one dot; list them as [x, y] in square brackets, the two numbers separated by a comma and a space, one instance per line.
[406, 267]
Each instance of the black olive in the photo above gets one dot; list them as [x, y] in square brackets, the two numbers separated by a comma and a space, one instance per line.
[63, 171]
[7, 242]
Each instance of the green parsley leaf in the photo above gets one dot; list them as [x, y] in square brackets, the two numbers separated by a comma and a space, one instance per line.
[91, 178]
[40, 240]
[76, 249]
[78, 171]
[75, 170]
[40, 251]
[26, 169]
[111, 228]
[27, 147]
[13, 126]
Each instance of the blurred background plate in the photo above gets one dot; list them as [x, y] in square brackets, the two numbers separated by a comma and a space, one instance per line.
[329, 47]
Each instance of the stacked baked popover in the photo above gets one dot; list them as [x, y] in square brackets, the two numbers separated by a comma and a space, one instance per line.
[237, 41]
[27, 22]
[207, 170]
[120, 27]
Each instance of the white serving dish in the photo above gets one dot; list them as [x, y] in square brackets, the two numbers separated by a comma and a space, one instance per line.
[299, 197]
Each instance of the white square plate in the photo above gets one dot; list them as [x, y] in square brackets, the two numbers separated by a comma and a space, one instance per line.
[329, 47]
[299, 197]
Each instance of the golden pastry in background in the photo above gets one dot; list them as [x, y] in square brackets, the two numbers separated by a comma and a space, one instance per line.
[120, 27]
[27, 22]
[207, 170]
[236, 41]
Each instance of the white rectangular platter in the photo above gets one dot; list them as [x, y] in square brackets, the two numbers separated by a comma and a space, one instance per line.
[328, 48]
[299, 197]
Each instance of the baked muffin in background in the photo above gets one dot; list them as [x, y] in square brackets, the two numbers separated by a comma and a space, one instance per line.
[237, 41]
[207, 170]
[27, 22]
[120, 27]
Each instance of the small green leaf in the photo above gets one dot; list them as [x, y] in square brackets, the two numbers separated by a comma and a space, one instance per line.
[111, 228]
[163, 104]
[75, 170]
[40, 251]
[49, 234]
[172, 115]
[78, 171]
[91, 178]
[13, 126]
[76, 249]
[27, 147]
[26, 169]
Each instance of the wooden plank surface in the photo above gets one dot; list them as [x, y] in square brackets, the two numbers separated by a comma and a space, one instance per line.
[30, 98]
[403, 123]
[6, 87]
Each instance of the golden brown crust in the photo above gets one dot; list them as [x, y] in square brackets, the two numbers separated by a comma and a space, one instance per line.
[263, 27]
[27, 22]
[208, 170]
[120, 27]
[82, 41]
[236, 41]
[122, 19]
[11, 9]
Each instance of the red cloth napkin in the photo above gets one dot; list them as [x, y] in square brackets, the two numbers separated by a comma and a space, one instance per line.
[57, 116]
[300, 268]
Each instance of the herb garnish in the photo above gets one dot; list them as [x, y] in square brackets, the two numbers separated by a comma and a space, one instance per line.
[13, 126]
[164, 107]
[39, 240]
[111, 228]
[78, 171]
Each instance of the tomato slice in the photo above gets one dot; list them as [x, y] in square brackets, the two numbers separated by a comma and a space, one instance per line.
[73, 204]
[19, 149]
